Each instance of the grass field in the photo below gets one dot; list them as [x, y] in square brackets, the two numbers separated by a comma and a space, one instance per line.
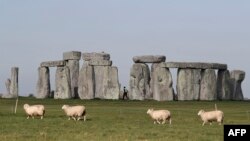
[117, 121]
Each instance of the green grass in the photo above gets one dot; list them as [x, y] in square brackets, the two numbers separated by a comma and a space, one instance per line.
[117, 121]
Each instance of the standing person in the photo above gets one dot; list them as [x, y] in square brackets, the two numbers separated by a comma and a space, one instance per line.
[125, 93]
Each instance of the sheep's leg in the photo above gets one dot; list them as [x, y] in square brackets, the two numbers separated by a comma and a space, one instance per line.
[158, 122]
[28, 117]
[170, 121]
[69, 118]
[154, 122]
[84, 118]
[74, 118]
[164, 121]
[203, 123]
[210, 123]
[41, 117]
[33, 117]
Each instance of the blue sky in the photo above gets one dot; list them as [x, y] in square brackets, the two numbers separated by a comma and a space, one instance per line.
[194, 30]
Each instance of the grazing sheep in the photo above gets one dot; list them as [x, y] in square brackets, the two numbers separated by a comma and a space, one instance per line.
[210, 116]
[75, 112]
[34, 110]
[160, 115]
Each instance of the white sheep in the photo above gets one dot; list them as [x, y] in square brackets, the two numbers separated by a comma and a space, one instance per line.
[160, 115]
[34, 110]
[211, 116]
[75, 112]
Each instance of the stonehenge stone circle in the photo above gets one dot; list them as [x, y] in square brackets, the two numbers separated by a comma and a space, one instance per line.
[139, 82]
[208, 89]
[149, 59]
[161, 83]
[63, 84]
[237, 77]
[43, 84]
[188, 84]
[97, 78]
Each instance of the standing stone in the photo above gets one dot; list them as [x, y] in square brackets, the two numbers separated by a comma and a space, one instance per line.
[63, 84]
[43, 83]
[208, 89]
[237, 77]
[188, 84]
[73, 66]
[72, 61]
[139, 82]
[7, 84]
[111, 83]
[14, 82]
[161, 83]
[86, 82]
[224, 85]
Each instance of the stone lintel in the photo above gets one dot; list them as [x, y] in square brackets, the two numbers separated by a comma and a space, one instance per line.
[72, 55]
[100, 63]
[149, 59]
[60, 63]
[194, 65]
[95, 56]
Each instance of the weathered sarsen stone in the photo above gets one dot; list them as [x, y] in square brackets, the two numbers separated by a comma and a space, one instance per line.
[237, 77]
[60, 63]
[208, 89]
[139, 82]
[161, 83]
[188, 84]
[73, 66]
[95, 56]
[14, 82]
[43, 83]
[100, 63]
[224, 85]
[72, 55]
[194, 65]
[149, 59]
[63, 84]
[106, 82]
[86, 82]
[111, 87]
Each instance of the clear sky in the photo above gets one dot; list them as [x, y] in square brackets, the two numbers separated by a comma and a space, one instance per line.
[182, 30]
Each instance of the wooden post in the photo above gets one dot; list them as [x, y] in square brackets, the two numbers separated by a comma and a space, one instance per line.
[16, 104]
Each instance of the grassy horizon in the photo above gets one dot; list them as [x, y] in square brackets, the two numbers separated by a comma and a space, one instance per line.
[115, 120]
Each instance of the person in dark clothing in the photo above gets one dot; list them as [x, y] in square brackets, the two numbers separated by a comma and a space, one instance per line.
[125, 93]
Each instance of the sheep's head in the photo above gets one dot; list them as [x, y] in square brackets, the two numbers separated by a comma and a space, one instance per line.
[150, 111]
[25, 106]
[200, 112]
[65, 106]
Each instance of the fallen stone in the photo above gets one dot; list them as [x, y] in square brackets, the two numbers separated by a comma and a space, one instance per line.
[149, 59]
[194, 65]
[53, 64]
[72, 55]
